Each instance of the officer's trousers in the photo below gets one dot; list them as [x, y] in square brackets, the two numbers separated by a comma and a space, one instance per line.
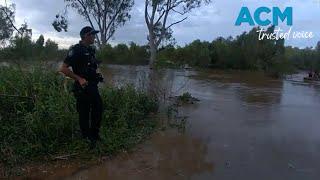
[89, 107]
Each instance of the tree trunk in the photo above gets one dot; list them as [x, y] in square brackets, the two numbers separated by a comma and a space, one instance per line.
[153, 54]
[152, 69]
[103, 39]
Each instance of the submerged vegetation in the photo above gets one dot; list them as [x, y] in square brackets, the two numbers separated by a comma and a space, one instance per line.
[39, 120]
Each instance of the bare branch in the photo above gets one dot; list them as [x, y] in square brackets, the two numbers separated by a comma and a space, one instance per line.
[104, 21]
[164, 30]
[166, 14]
[146, 14]
[99, 14]
[163, 12]
[176, 22]
[114, 17]
[97, 20]
[154, 9]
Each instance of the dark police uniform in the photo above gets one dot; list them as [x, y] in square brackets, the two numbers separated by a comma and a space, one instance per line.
[84, 64]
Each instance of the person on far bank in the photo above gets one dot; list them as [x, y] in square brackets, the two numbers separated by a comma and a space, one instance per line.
[81, 57]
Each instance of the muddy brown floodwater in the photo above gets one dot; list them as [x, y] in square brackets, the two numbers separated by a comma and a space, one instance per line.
[245, 126]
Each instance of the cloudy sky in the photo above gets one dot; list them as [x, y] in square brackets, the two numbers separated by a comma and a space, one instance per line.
[205, 23]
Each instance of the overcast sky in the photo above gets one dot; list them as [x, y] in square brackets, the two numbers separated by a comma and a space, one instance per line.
[205, 23]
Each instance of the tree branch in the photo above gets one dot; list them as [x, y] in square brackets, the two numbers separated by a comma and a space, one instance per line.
[97, 20]
[88, 17]
[109, 36]
[163, 31]
[166, 14]
[154, 9]
[181, 13]
[163, 12]
[146, 14]
[11, 22]
[176, 22]
[104, 21]
[99, 14]
[113, 19]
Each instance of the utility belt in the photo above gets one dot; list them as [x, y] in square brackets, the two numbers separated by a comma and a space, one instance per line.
[93, 82]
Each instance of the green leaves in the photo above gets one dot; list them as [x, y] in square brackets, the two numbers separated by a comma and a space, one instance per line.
[6, 17]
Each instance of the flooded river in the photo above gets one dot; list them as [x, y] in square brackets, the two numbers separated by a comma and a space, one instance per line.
[245, 126]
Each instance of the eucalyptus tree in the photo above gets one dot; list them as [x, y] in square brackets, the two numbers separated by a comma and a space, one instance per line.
[157, 14]
[106, 15]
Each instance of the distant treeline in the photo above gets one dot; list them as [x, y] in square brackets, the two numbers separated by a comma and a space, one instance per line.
[244, 52]
[22, 48]
[123, 54]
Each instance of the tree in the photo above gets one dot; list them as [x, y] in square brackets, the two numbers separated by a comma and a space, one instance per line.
[40, 41]
[22, 42]
[156, 17]
[107, 15]
[6, 21]
[51, 46]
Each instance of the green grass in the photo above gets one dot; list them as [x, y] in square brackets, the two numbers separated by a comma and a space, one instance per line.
[39, 120]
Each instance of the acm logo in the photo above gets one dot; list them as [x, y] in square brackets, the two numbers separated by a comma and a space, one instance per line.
[245, 16]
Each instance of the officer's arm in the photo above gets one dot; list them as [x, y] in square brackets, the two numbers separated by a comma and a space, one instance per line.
[64, 68]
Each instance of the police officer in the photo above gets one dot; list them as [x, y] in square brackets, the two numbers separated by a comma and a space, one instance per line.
[81, 57]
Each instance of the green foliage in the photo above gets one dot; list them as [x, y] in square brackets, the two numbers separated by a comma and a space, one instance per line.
[125, 121]
[108, 15]
[60, 23]
[304, 59]
[37, 114]
[22, 48]
[38, 117]
[122, 54]
[40, 41]
[51, 48]
[198, 53]
[6, 18]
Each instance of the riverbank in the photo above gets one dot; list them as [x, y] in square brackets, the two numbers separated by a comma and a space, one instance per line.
[40, 125]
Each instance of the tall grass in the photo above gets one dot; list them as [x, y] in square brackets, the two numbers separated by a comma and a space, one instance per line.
[38, 117]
